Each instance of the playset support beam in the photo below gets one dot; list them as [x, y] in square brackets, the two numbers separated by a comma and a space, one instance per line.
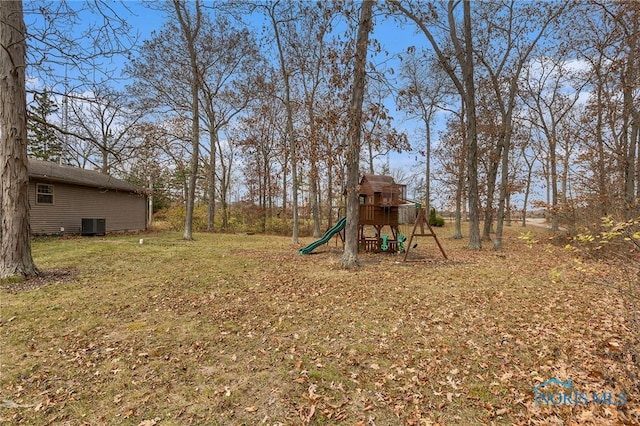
[421, 220]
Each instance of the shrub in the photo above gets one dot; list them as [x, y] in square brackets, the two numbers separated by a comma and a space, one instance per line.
[434, 219]
[616, 245]
[175, 216]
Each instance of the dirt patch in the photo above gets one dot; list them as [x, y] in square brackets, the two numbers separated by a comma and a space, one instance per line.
[45, 278]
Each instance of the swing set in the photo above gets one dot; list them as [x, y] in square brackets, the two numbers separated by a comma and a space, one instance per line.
[380, 206]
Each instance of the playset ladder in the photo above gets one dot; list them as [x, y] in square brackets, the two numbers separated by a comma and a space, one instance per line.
[421, 220]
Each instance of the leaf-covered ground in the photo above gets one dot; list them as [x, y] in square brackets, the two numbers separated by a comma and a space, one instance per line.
[240, 329]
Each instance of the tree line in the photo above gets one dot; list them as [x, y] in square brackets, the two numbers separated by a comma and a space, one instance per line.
[212, 111]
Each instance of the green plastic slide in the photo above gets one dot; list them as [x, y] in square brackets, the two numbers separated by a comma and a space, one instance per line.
[325, 238]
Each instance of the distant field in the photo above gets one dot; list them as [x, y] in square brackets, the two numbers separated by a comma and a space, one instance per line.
[240, 329]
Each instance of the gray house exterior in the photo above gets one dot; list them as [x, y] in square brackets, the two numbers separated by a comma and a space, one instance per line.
[60, 197]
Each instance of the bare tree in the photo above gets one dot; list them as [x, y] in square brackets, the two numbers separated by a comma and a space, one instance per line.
[278, 19]
[520, 27]
[49, 45]
[365, 25]
[229, 58]
[15, 249]
[547, 82]
[423, 95]
[457, 45]
[190, 25]
[103, 118]
[311, 51]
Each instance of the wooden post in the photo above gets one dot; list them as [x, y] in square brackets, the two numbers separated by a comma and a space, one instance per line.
[421, 220]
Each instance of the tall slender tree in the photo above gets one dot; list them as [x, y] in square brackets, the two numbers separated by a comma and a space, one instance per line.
[456, 57]
[190, 22]
[424, 93]
[278, 19]
[520, 27]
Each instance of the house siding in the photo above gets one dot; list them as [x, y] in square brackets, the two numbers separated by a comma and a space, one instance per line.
[122, 210]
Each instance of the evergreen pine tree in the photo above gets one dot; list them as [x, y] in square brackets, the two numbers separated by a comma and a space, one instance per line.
[43, 143]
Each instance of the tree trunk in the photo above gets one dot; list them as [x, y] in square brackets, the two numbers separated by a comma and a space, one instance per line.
[190, 33]
[265, 194]
[461, 176]
[472, 133]
[350, 255]
[427, 183]
[527, 188]
[555, 226]
[289, 128]
[224, 186]
[370, 146]
[329, 189]
[150, 202]
[466, 89]
[211, 218]
[457, 233]
[314, 198]
[285, 176]
[104, 168]
[504, 187]
[492, 177]
[631, 111]
[15, 249]
[601, 170]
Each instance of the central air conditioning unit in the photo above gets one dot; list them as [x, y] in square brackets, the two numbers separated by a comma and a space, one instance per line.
[94, 226]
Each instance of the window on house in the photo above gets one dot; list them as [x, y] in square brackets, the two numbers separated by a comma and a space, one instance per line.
[44, 193]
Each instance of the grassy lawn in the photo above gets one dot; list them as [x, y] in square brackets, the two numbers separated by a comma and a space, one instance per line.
[240, 329]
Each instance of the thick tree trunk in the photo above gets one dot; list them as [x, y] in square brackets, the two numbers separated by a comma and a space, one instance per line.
[15, 249]
[350, 255]
[104, 168]
[193, 177]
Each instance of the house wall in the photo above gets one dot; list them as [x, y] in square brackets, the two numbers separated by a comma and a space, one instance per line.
[123, 211]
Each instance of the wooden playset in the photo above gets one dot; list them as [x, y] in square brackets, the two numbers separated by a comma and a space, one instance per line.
[380, 200]
[381, 203]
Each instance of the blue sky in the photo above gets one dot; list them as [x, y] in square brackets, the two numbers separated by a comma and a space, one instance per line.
[143, 21]
[394, 39]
